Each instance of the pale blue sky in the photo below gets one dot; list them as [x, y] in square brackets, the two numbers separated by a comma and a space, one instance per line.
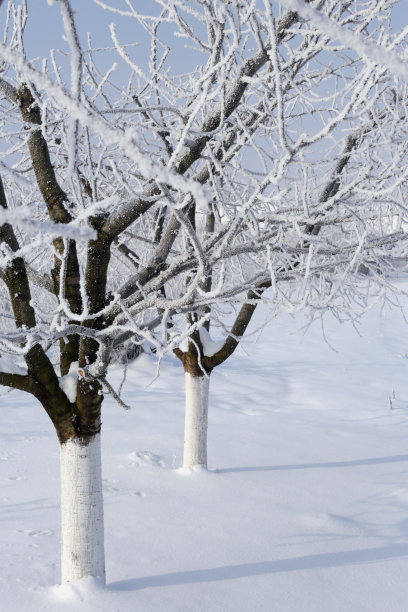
[44, 31]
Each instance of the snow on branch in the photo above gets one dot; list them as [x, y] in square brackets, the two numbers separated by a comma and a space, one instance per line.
[370, 51]
[23, 218]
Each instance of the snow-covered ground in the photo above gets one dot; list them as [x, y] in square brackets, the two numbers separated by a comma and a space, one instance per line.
[304, 509]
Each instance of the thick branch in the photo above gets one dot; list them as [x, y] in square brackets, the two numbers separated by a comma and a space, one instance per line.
[41, 381]
[56, 201]
[238, 329]
[16, 381]
[15, 275]
[8, 91]
[54, 197]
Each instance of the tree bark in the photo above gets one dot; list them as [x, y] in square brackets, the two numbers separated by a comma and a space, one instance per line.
[196, 420]
[82, 549]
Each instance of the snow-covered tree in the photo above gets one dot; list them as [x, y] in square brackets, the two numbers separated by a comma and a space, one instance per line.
[144, 197]
[302, 174]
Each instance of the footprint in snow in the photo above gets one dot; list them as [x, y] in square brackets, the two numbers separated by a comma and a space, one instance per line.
[250, 412]
[36, 533]
[110, 486]
[333, 523]
[5, 456]
[108, 489]
[400, 494]
[145, 458]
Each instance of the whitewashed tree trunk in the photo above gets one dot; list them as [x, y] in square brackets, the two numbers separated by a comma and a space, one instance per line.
[196, 420]
[82, 532]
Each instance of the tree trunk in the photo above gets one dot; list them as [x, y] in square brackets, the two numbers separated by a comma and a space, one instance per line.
[196, 420]
[82, 551]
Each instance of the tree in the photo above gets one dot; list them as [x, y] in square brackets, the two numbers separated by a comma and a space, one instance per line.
[259, 138]
[56, 290]
[281, 139]
[138, 212]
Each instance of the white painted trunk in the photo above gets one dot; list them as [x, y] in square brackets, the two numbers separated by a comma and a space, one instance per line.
[196, 420]
[82, 551]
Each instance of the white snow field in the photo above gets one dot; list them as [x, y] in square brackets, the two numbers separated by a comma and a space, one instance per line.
[304, 508]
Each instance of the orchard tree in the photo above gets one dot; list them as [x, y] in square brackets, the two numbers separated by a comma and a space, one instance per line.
[296, 162]
[141, 199]
[75, 178]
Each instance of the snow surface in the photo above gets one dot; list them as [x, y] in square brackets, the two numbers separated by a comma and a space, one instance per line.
[10, 365]
[304, 509]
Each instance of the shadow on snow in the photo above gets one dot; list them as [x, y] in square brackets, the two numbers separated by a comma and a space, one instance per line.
[307, 466]
[246, 570]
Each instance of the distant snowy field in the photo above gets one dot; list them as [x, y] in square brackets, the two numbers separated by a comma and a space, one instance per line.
[304, 509]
